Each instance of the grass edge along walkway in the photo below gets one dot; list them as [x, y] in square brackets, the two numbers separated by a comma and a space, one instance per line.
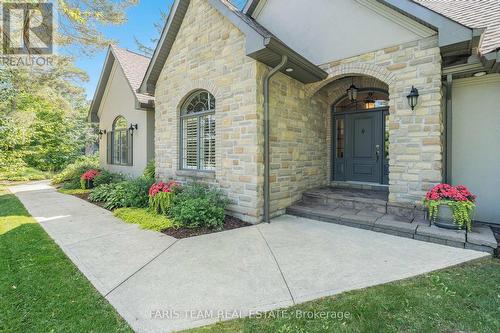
[41, 290]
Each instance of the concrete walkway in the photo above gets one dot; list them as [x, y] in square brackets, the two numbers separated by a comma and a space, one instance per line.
[160, 284]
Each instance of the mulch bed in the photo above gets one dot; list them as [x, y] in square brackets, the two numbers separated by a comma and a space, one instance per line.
[229, 224]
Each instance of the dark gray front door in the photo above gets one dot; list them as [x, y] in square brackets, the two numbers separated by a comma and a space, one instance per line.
[364, 143]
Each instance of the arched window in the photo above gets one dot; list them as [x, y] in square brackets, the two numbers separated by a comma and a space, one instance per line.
[120, 143]
[198, 132]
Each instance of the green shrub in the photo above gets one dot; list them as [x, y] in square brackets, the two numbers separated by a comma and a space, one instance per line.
[106, 177]
[198, 205]
[102, 193]
[144, 218]
[198, 213]
[149, 171]
[130, 193]
[74, 171]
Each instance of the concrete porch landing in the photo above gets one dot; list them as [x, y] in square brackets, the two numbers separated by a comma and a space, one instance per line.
[369, 209]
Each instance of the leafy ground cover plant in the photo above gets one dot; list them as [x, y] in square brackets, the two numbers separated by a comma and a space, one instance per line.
[458, 198]
[199, 205]
[144, 218]
[130, 193]
[106, 177]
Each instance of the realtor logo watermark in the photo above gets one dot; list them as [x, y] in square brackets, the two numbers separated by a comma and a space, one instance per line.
[27, 33]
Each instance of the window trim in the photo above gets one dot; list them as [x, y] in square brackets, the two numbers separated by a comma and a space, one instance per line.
[122, 132]
[198, 116]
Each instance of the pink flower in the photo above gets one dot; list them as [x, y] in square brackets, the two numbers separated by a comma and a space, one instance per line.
[448, 192]
[90, 174]
[162, 187]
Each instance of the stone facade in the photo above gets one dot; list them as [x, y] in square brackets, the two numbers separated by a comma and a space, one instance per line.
[209, 53]
[298, 139]
[416, 151]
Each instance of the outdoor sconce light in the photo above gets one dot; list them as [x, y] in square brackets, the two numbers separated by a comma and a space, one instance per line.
[101, 133]
[352, 92]
[132, 128]
[413, 97]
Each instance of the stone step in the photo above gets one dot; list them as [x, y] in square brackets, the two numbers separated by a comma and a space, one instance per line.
[347, 198]
[481, 238]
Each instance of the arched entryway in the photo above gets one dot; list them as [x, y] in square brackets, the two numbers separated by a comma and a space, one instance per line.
[361, 137]
[359, 130]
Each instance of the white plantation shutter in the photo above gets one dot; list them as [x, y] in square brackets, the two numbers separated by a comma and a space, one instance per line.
[198, 132]
[190, 140]
[207, 141]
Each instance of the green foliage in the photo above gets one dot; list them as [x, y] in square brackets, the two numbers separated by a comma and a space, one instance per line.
[149, 171]
[130, 193]
[198, 205]
[22, 173]
[106, 177]
[144, 218]
[74, 171]
[41, 133]
[161, 202]
[198, 213]
[462, 211]
[73, 191]
[102, 193]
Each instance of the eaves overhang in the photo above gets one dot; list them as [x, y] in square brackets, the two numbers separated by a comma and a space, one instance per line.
[261, 45]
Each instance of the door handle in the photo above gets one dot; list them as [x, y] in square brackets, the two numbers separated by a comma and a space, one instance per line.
[377, 152]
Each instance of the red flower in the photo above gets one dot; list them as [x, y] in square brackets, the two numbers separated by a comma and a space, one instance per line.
[162, 187]
[448, 192]
[90, 174]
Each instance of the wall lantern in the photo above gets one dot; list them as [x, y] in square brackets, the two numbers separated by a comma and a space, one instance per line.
[132, 128]
[101, 133]
[413, 97]
[352, 93]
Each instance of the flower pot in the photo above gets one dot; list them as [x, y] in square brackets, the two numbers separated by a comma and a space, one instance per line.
[90, 184]
[444, 218]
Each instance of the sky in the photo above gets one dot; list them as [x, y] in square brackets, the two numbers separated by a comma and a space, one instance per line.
[140, 24]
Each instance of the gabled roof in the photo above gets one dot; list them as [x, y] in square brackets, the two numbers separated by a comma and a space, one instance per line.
[473, 14]
[261, 45]
[450, 32]
[134, 67]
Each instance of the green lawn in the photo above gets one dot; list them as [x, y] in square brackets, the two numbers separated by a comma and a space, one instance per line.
[40, 289]
[459, 299]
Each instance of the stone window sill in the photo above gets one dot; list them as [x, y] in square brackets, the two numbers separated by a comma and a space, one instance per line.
[196, 174]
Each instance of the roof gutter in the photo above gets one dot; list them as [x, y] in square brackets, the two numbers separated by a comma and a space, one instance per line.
[267, 157]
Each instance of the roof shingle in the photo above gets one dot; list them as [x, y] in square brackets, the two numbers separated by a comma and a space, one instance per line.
[473, 14]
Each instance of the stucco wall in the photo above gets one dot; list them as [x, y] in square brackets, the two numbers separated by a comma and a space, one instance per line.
[326, 30]
[118, 100]
[209, 53]
[476, 142]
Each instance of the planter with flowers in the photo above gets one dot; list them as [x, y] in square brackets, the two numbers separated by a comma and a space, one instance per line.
[161, 195]
[87, 179]
[450, 207]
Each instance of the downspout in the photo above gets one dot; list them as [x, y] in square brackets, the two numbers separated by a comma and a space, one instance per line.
[448, 130]
[267, 79]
